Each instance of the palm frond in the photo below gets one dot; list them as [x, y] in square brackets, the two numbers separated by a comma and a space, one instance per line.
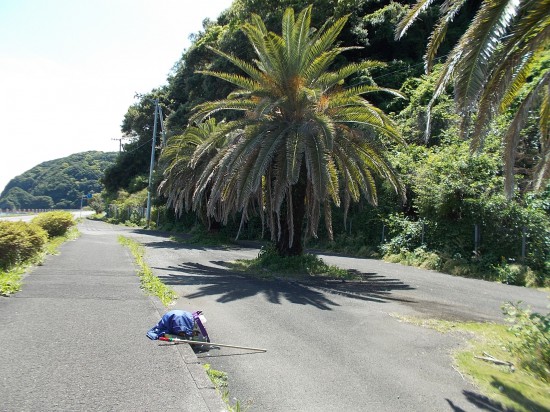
[345, 94]
[204, 110]
[410, 18]
[449, 10]
[324, 42]
[240, 81]
[317, 67]
[478, 45]
[330, 79]
[301, 30]
[542, 169]
[512, 135]
[253, 72]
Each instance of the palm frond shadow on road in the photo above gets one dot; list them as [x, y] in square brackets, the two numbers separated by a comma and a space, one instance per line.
[230, 286]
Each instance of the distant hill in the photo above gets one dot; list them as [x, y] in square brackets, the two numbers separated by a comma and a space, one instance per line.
[58, 183]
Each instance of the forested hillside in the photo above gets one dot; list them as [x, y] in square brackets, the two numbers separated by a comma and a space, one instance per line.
[58, 183]
[476, 195]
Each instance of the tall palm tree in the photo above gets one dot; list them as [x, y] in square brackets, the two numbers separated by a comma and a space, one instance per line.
[305, 140]
[490, 67]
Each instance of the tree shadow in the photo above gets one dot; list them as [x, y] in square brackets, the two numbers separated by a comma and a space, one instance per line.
[230, 286]
[484, 403]
[368, 286]
[517, 396]
[454, 407]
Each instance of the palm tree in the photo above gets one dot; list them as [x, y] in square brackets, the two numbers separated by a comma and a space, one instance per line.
[179, 182]
[305, 140]
[490, 67]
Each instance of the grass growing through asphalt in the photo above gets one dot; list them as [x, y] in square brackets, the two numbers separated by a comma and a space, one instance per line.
[219, 379]
[269, 265]
[149, 282]
[513, 387]
[10, 279]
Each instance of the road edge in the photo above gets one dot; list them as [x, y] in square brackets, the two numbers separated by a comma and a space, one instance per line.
[211, 396]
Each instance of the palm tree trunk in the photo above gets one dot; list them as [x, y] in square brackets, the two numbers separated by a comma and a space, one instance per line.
[298, 193]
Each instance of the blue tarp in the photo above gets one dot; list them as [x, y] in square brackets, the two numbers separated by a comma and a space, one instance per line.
[174, 322]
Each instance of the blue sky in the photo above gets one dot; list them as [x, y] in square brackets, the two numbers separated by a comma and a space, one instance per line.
[69, 69]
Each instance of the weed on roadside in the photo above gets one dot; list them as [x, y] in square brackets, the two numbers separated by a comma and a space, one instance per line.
[219, 380]
[149, 282]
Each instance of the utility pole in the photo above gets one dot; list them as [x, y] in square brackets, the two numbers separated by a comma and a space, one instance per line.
[120, 139]
[153, 145]
[119, 143]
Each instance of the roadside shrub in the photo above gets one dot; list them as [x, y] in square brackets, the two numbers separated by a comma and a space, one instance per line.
[404, 234]
[20, 241]
[419, 257]
[533, 333]
[514, 274]
[55, 223]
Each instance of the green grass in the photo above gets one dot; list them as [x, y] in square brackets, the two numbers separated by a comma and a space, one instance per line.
[10, 279]
[512, 387]
[149, 282]
[269, 265]
[219, 379]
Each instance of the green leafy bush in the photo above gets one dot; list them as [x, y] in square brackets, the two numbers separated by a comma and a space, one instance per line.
[298, 266]
[515, 274]
[533, 333]
[20, 241]
[55, 223]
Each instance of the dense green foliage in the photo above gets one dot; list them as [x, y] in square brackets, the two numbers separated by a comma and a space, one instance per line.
[55, 223]
[19, 242]
[59, 183]
[452, 194]
[128, 208]
[533, 344]
[495, 68]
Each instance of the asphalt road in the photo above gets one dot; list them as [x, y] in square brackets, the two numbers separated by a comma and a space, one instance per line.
[74, 338]
[332, 346]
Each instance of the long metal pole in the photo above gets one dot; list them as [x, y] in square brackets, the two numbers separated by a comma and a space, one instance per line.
[152, 165]
[196, 342]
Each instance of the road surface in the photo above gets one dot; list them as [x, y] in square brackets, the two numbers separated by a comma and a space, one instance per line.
[331, 346]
